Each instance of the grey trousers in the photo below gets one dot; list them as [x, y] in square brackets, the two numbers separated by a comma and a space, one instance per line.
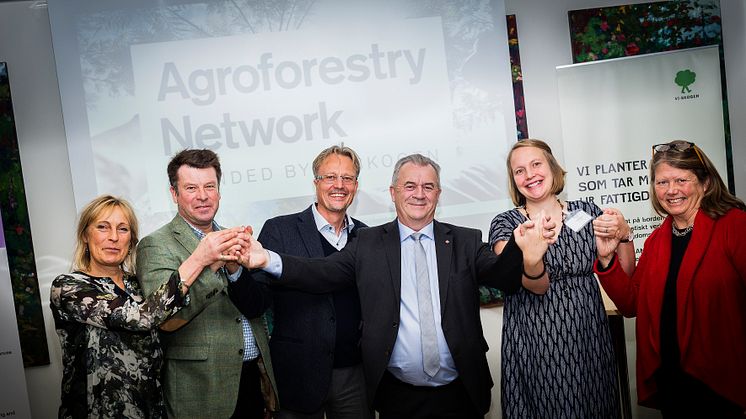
[346, 399]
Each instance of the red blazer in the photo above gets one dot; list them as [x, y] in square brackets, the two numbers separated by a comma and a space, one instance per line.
[711, 304]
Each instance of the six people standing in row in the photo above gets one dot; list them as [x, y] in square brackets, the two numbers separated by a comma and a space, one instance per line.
[387, 317]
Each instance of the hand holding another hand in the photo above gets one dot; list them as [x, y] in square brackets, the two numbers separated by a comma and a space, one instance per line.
[217, 248]
[252, 254]
[534, 237]
[609, 228]
[611, 225]
[549, 229]
[243, 233]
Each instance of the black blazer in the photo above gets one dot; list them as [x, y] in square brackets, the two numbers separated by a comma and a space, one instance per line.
[303, 338]
[373, 261]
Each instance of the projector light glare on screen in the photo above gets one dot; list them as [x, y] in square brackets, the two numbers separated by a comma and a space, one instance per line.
[266, 93]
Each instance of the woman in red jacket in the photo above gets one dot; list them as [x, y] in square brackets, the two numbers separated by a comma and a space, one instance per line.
[688, 291]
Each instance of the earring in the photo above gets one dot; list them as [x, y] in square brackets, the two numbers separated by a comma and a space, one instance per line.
[86, 250]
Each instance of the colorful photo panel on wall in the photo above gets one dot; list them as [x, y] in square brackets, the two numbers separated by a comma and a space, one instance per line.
[17, 231]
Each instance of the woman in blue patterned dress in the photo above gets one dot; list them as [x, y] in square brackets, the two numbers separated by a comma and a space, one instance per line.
[108, 332]
[557, 354]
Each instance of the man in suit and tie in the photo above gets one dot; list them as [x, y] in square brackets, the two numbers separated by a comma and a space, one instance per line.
[422, 341]
[315, 342]
[216, 354]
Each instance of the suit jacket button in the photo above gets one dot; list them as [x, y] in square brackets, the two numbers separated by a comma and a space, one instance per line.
[387, 353]
[240, 351]
[238, 320]
[395, 325]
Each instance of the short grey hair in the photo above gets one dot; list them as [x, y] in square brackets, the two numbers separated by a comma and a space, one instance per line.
[417, 160]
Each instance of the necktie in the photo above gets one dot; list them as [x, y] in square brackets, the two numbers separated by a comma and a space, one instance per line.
[430, 354]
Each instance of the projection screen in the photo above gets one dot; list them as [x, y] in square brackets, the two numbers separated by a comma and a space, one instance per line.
[268, 84]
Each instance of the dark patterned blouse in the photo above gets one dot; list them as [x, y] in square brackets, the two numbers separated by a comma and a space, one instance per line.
[110, 348]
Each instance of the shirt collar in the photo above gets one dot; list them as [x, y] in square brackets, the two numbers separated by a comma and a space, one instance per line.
[199, 233]
[321, 222]
[405, 232]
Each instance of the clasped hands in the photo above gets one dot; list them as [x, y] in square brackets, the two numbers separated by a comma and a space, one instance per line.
[237, 246]
[609, 228]
[534, 237]
[229, 247]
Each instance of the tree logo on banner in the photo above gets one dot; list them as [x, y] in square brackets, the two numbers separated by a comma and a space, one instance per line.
[686, 78]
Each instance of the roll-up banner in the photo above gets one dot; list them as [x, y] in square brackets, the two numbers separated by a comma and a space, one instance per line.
[614, 111]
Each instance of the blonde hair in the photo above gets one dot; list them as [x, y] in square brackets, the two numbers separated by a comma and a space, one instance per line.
[685, 155]
[339, 150]
[89, 215]
[558, 173]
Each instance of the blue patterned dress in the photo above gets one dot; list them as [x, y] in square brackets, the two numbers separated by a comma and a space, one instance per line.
[557, 354]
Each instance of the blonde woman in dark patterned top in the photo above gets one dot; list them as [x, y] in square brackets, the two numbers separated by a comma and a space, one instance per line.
[108, 331]
[557, 355]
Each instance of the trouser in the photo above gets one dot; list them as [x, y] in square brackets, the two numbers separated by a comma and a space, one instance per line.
[250, 403]
[396, 399]
[346, 398]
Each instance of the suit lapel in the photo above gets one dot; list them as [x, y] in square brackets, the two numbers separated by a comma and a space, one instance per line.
[695, 252]
[183, 234]
[310, 234]
[661, 258]
[392, 247]
[443, 253]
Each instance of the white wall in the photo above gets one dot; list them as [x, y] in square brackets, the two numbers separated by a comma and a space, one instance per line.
[26, 46]
[734, 44]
